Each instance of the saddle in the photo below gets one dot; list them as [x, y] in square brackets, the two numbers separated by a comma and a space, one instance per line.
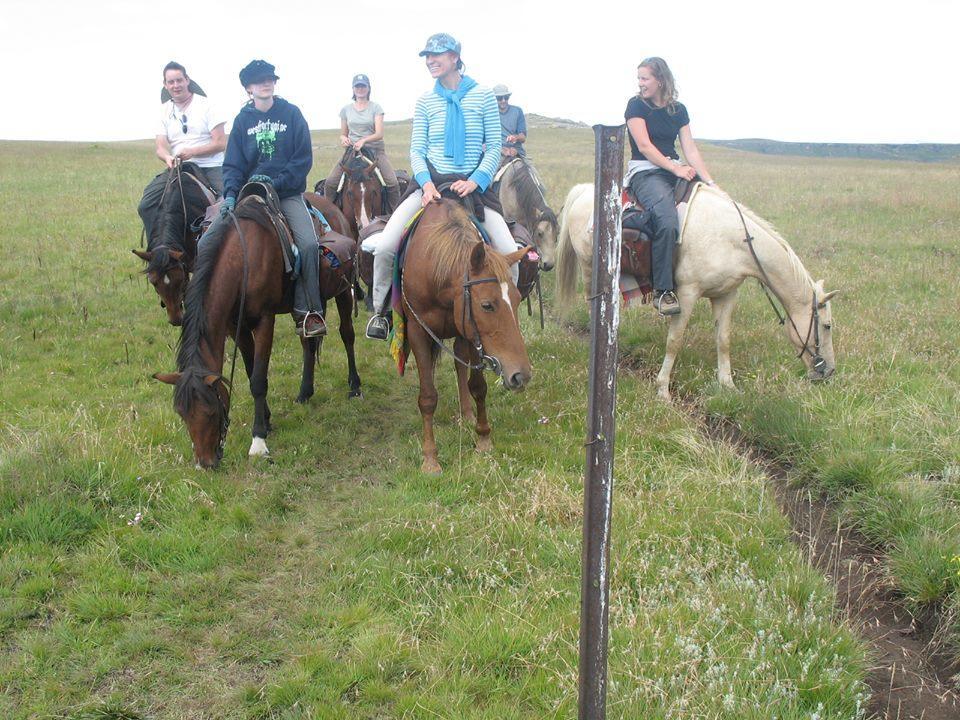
[635, 247]
[265, 193]
[475, 202]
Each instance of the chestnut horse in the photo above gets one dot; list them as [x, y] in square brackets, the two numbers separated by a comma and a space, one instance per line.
[454, 286]
[239, 274]
[172, 247]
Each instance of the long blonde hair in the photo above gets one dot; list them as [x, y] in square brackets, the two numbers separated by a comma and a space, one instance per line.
[668, 86]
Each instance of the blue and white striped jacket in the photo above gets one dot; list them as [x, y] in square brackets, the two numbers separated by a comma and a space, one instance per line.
[482, 121]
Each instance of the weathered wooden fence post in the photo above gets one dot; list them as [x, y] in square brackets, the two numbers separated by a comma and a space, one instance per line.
[598, 476]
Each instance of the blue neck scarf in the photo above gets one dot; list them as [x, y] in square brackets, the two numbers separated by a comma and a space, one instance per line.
[455, 128]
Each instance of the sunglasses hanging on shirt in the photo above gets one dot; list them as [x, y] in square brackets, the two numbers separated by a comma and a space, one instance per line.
[183, 124]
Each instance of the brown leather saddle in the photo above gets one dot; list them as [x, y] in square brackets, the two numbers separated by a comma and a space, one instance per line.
[635, 250]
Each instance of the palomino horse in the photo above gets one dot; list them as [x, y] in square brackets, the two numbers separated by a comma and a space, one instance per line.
[522, 196]
[172, 247]
[455, 287]
[712, 260]
[239, 275]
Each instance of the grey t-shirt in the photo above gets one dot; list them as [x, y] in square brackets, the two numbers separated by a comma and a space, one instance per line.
[360, 123]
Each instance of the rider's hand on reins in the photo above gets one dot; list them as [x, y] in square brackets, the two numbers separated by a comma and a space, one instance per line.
[345, 141]
[463, 187]
[429, 194]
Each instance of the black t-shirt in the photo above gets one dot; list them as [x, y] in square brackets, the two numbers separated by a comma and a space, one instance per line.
[662, 127]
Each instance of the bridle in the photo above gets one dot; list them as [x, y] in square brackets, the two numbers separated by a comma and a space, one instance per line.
[487, 362]
[818, 363]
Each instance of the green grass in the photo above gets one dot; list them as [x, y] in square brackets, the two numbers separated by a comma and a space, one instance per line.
[338, 582]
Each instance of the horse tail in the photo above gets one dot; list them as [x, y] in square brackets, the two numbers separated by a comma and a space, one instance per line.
[566, 268]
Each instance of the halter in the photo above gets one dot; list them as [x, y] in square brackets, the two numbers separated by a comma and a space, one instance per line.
[818, 363]
[487, 362]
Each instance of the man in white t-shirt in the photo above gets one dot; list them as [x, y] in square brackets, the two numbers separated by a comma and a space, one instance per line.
[190, 130]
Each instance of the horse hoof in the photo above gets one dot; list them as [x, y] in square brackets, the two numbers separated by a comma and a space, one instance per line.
[430, 467]
[664, 395]
[302, 399]
[258, 448]
[484, 444]
[355, 394]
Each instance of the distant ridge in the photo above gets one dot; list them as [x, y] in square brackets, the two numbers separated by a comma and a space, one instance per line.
[534, 120]
[918, 152]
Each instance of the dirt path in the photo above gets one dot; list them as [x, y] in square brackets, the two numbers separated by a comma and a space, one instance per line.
[910, 675]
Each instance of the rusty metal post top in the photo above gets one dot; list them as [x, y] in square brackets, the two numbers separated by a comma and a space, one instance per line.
[610, 133]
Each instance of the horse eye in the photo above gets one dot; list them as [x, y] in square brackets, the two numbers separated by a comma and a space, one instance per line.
[827, 326]
[487, 305]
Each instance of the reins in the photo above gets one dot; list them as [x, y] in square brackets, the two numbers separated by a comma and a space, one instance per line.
[819, 364]
[224, 408]
[487, 362]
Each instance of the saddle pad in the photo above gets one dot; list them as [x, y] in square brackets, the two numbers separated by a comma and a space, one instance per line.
[399, 342]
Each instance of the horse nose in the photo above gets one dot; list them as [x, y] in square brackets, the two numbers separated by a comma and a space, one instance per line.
[547, 266]
[518, 379]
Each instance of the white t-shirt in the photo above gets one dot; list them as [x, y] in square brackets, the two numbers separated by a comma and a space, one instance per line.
[201, 118]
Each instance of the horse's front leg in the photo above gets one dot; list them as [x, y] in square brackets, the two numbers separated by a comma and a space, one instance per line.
[467, 416]
[263, 346]
[347, 334]
[477, 385]
[675, 329]
[309, 347]
[722, 316]
[427, 399]
[247, 346]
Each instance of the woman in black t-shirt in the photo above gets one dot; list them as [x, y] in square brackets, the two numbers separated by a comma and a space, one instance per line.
[655, 120]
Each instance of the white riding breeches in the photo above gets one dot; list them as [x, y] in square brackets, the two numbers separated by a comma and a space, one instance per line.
[384, 244]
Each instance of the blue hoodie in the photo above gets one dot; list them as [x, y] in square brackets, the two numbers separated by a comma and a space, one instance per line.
[274, 143]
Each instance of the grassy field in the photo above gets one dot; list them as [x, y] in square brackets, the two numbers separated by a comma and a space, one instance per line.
[338, 582]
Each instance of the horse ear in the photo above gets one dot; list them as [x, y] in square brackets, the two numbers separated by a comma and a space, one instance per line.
[829, 296]
[169, 378]
[146, 255]
[478, 256]
[517, 255]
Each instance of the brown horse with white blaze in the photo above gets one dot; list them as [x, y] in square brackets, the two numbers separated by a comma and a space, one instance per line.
[238, 287]
[456, 287]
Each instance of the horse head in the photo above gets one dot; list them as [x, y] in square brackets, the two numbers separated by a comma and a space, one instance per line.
[167, 272]
[486, 314]
[201, 398]
[815, 338]
[545, 235]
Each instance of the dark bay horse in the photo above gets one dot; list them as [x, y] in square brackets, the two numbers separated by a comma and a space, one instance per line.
[361, 192]
[456, 287]
[523, 198]
[239, 279]
[172, 245]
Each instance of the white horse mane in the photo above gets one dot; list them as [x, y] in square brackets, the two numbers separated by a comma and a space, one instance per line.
[800, 272]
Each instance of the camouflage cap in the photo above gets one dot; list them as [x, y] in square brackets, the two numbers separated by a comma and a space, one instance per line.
[440, 43]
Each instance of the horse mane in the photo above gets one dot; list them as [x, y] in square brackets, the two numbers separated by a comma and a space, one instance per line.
[160, 260]
[194, 327]
[801, 273]
[452, 243]
[171, 226]
[529, 192]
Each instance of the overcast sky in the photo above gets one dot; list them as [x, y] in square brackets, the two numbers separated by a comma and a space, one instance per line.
[837, 71]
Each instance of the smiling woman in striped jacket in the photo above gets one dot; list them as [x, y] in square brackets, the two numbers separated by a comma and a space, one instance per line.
[456, 129]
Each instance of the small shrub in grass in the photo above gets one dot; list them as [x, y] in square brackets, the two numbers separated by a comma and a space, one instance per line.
[857, 468]
[923, 566]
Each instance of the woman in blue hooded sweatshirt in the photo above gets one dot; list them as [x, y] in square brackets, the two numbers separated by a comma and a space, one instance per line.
[270, 142]
[456, 127]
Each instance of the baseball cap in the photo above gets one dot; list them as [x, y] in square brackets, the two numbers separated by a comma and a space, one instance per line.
[360, 79]
[440, 43]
